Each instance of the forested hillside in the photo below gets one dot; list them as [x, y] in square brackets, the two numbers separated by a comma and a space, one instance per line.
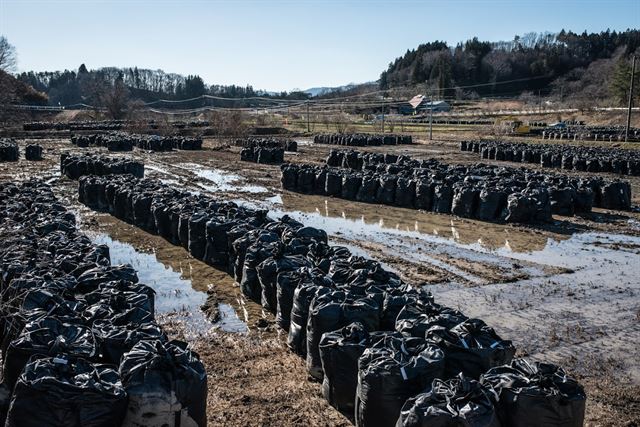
[535, 62]
[89, 86]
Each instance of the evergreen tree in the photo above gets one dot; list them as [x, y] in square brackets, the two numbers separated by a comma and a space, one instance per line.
[619, 87]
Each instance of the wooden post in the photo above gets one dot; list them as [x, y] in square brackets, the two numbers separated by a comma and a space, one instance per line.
[633, 72]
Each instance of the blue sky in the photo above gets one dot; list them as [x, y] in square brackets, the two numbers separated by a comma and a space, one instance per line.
[277, 45]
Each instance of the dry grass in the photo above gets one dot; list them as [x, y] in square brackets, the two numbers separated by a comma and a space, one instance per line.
[257, 381]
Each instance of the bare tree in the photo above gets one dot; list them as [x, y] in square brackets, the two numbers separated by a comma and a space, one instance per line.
[8, 56]
[229, 123]
[325, 120]
[116, 100]
[341, 122]
[235, 124]
[391, 124]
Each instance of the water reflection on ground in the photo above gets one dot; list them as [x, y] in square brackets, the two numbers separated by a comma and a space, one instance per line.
[175, 294]
[462, 231]
[220, 180]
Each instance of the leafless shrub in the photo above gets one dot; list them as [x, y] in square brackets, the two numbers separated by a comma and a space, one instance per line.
[342, 123]
[8, 56]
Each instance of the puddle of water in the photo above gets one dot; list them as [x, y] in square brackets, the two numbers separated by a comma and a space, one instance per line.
[175, 295]
[221, 180]
[276, 200]
[169, 181]
[336, 215]
[229, 320]
[586, 250]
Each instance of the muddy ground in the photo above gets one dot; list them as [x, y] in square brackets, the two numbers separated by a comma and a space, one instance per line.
[567, 292]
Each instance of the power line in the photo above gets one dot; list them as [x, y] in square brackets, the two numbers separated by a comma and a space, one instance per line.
[328, 100]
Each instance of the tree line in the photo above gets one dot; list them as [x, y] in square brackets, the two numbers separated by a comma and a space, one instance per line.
[85, 86]
[527, 63]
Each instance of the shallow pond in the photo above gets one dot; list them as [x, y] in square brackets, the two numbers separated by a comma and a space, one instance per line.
[175, 295]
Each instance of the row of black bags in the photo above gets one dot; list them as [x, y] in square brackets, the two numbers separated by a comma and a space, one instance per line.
[254, 142]
[108, 125]
[597, 133]
[9, 151]
[263, 155]
[484, 192]
[362, 139]
[75, 166]
[374, 340]
[567, 157]
[79, 341]
[568, 194]
[391, 378]
[123, 141]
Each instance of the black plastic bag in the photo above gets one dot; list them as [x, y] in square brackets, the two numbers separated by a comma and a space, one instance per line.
[536, 394]
[166, 384]
[116, 338]
[339, 352]
[396, 299]
[268, 271]
[333, 311]
[287, 282]
[302, 297]
[48, 336]
[416, 319]
[458, 402]
[67, 392]
[391, 371]
[471, 347]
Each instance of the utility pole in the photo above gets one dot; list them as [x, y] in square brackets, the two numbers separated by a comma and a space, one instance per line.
[431, 118]
[308, 124]
[539, 102]
[633, 72]
[382, 114]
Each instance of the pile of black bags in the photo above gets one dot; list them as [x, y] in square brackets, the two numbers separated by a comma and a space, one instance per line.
[286, 144]
[567, 157]
[79, 341]
[108, 125]
[75, 166]
[123, 141]
[595, 133]
[33, 152]
[263, 155]
[362, 139]
[114, 141]
[376, 342]
[9, 151]
[480, 191]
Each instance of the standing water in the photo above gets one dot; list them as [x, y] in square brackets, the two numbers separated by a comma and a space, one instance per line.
[175, 296]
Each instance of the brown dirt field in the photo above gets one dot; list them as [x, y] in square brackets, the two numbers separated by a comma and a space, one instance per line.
[579, 309]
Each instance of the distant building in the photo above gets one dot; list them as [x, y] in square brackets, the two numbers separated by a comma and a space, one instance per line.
[420, 104]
